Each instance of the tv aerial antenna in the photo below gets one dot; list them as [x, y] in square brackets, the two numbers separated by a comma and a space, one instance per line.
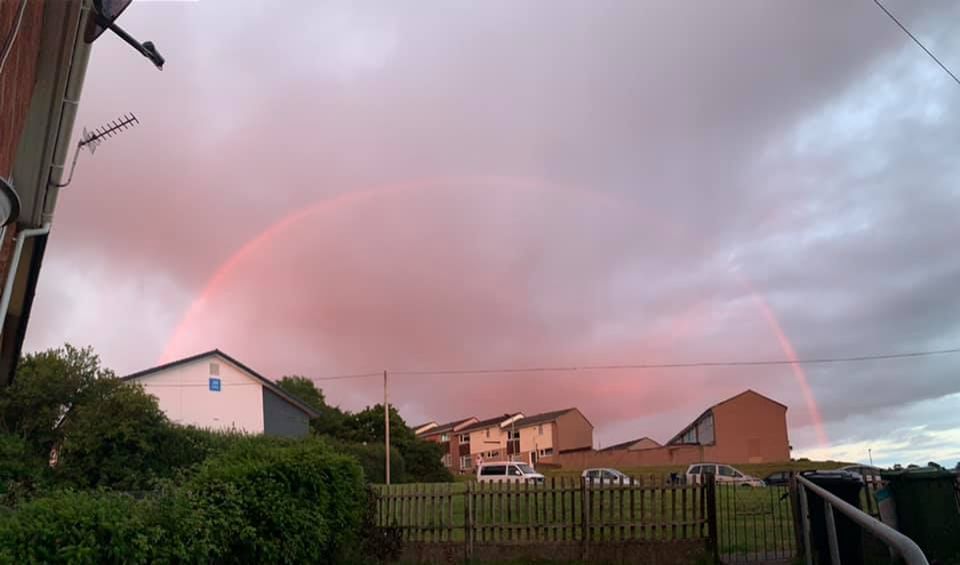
[92, 139]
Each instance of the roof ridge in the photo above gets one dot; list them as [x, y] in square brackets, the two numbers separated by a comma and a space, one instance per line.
[269, 383]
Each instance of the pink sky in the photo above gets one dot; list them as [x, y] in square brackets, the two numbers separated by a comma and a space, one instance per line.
[469, 187]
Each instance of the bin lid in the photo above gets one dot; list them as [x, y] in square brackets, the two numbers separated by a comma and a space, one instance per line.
[919, 473]
[832, 476]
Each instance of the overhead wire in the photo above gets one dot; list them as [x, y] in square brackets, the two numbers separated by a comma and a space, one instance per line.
[917, 41]
[649, 366]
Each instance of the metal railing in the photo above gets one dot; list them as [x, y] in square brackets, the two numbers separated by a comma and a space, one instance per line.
[906, 547]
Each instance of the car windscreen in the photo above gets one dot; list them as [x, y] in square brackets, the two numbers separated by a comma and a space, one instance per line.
[525, 469]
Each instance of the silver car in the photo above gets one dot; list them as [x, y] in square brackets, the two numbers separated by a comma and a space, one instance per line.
[605, 477]
[723, 474]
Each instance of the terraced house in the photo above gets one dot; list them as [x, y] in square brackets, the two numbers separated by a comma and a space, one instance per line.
[456, 454]
[514, 437]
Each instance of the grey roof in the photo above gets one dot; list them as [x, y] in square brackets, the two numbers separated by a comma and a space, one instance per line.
[272, 386]
[488, 422]
[541, 418]
[626, 444]
[444, 428]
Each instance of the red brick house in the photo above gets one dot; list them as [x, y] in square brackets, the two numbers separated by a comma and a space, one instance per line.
[746, 428]
[456, 444]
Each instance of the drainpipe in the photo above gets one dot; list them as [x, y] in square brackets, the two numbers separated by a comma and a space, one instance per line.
[14, 263]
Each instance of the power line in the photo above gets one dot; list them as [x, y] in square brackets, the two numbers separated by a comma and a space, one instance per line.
[342, 377]
[917, 41]
[647, 366]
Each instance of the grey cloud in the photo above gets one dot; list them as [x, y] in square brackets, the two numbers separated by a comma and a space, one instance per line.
[666, 136]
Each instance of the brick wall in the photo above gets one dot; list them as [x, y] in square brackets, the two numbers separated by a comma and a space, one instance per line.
[18, 77]
[16, 90]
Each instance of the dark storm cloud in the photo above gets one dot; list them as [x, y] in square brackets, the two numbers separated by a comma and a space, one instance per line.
[678, 149]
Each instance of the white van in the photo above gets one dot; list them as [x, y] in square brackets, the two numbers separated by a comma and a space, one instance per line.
[507, 472]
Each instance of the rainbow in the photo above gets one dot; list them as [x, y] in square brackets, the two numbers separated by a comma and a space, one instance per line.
[221, 276]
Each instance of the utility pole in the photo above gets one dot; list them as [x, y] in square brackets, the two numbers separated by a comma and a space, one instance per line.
[870, 452]
[386, 426]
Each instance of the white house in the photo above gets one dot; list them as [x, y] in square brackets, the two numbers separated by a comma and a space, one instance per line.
[215, 391]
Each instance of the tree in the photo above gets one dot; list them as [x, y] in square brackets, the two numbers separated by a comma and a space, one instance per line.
[361, 434]
[330, 420]
[304, 389]
[115, 437]
[104, 431]
[422, 459]
[47, 385]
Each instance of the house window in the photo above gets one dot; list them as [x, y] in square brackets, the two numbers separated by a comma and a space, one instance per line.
[488, 432]
[464, 438]
[690, 436]
[546, 452]
[444, 437]
[447, 460]
[540, 429]
[513, 442]
[492, 454]
[466, 462]
[214, 384]
[214, 369]
[705, 430]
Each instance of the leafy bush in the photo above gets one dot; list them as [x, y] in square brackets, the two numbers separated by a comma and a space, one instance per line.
[114, 439]
[280, 502]
[373, 461]
[75, 527]
[47, 385]
[261, 500]
[17, 461]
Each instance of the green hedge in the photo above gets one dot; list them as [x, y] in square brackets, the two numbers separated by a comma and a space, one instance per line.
[280, 502]
[371, 458]
[259, 501]
[76, 527]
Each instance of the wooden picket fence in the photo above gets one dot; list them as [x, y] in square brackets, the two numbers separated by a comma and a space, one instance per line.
[563, 509]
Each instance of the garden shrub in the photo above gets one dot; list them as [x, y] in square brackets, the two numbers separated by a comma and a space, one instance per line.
[372, 459]
[76, 527]
[259, 501]
[280, 502]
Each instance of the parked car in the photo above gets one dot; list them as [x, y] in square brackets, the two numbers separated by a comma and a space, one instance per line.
[507, 472]
[601, 477]
[725, 474]
[779, 478]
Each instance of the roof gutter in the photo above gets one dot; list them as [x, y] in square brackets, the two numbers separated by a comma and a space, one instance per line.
[70, 102]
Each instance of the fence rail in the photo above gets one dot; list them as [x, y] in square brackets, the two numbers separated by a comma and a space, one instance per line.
[562, 509]
[904, 546]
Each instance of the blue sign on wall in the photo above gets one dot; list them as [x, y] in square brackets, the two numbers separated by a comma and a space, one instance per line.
[214, 384]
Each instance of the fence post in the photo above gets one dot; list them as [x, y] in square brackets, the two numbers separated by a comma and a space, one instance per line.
[713, 541]
[468, 522]
[584, 519]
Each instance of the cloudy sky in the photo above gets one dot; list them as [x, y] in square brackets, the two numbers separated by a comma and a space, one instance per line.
[329, 188]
